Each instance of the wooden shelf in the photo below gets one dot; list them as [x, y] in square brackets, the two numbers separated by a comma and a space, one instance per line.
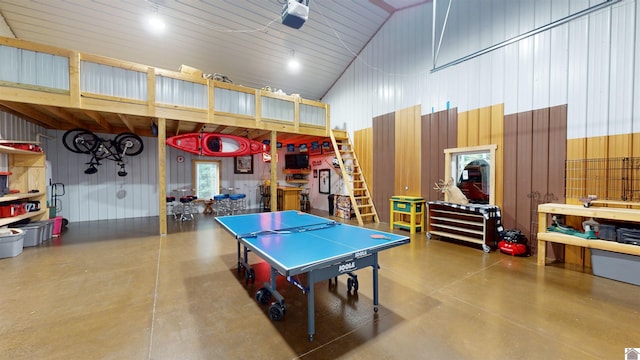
[14, 197]
[297, 181]
[457, 237]
[27, 173]
[460, 229]
[611, 213]
[11, 220]
[459, 221]
[296, 171]
[590, 243]
[10, 150]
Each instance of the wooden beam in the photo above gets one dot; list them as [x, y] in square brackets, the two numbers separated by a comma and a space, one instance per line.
[29, 113]
[99, 120]
[218, 128]
[127, 123]
[64, 115]
[200, 126]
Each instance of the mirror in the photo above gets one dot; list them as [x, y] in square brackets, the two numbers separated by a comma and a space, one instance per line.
[473, 171]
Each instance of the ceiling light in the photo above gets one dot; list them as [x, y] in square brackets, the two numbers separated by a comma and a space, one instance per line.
[293, 64]
[156, 24]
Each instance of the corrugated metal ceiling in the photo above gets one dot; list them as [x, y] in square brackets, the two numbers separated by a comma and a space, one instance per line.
[244, 40]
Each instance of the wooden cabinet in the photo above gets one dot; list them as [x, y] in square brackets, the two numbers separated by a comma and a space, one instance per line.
[289, 198]
[610, 213]
[28, 176]
[476, 224]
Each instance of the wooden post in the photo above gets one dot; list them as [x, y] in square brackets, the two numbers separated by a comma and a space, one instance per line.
[274, 171]
[542, 245]
[162, 174]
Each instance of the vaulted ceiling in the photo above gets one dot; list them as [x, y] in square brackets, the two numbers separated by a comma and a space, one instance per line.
[244, 40]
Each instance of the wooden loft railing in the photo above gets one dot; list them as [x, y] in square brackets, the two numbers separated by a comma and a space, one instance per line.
[44, 75]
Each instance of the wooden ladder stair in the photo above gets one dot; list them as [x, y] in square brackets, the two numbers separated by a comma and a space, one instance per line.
[361, 201]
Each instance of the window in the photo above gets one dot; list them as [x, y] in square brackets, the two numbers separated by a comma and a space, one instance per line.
[206, 178]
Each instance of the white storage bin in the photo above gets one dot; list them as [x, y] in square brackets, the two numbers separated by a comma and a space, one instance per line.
[11, 241]
[32, 233]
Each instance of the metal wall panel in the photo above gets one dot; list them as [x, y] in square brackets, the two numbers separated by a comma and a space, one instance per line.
[622, 66]
[598, 68]
[105, 195]
[588, 63]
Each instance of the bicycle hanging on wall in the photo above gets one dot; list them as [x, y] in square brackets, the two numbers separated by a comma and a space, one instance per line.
[82, 141]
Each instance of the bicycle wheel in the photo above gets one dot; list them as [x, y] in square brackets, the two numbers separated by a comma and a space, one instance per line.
[86, 142]
[67, 139]
[130, 143]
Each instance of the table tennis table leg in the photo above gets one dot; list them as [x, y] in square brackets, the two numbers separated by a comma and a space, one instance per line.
[375, 282]
[311, 306]
[243, 263]
[240, 265]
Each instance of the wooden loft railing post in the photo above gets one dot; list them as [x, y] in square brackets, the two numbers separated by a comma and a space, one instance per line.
[151, 91]
[74, 79]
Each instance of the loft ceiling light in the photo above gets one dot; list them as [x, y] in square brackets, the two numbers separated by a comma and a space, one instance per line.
[293, 65]
[155, 22]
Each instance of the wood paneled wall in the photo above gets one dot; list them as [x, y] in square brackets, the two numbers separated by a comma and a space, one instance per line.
[384, 158]
[600, 147]
[407, 150]
[363, 147]
[534, 162]
[439, 132]
[530, 157]
[485, 126]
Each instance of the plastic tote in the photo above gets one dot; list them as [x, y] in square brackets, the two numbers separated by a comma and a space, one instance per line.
[11, 241]
[32, 233]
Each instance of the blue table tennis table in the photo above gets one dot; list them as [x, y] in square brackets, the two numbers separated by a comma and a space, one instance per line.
[295, 243]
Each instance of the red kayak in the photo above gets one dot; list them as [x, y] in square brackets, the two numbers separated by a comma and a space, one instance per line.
[211, 144]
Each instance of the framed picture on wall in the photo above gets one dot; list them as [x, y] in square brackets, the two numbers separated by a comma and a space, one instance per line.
[324, 181]
[243, 164]
[315, 149]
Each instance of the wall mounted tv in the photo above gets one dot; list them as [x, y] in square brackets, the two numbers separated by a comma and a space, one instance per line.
[296, 161]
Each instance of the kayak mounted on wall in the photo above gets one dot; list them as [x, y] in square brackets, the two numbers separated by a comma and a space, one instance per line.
[213, 144]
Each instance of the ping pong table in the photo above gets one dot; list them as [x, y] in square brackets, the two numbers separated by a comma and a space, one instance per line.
[295, 243]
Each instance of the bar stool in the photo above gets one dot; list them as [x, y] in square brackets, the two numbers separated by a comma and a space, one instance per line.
[237, 203]
[170, 204]
[221, 204]
[265, 197]
[305, 204]
[187, 208]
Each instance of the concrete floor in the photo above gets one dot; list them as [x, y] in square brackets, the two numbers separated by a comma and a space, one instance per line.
[116, 290]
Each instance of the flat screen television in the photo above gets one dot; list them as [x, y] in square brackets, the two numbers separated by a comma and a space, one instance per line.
[296, 161]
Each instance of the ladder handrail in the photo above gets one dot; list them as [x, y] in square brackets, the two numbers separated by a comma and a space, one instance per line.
[362, 184]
